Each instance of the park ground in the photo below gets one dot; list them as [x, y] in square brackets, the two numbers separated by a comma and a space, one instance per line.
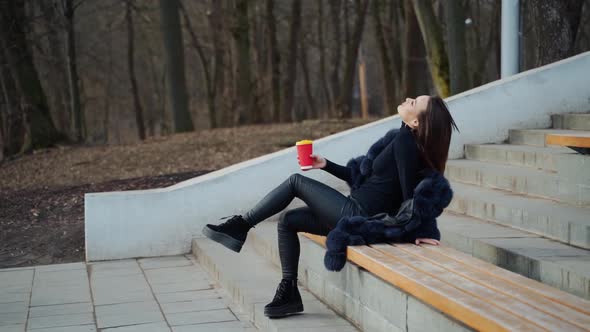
[42, 193]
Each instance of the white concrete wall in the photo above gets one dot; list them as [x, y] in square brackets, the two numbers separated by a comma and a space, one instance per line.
[163, 221]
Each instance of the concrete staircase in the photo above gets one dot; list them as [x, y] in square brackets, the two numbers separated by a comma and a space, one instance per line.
[525, 206]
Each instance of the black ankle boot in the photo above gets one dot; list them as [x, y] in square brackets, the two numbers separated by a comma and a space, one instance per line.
[231, 233]
[287, 300]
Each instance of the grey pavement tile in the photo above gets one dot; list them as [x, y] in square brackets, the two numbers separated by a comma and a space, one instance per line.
[150, 327]
[114, 297]
[164, 262]
[60, 309]
[188, 296]
[13, 318]
[52, 296]
[181, 287]
[61, 267]
[113, 265]
[128, 314]
[60, 321]
[76, 328]
[14, 297]
[116, 273]
[196, 317]
[231, 326]
[13, 307]
[13, 328]
[198, 305]
[316, 314]
[175, 274]
[16, 278]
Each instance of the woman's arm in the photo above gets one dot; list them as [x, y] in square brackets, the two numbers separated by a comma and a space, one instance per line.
[341, 172]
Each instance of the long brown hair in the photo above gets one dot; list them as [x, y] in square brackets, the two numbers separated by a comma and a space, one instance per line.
[433, 134]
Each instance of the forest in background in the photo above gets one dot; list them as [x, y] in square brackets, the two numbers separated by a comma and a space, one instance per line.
[118, 71]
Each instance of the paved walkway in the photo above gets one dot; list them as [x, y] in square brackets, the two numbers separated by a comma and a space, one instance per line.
[152, 294]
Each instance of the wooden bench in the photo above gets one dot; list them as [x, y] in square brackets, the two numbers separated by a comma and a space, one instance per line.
[579, 142]
[476, 293]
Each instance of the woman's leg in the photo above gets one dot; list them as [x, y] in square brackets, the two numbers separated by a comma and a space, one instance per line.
[297, 220]
[324, 201]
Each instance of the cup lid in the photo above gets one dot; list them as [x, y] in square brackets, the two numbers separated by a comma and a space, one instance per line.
[305, 141]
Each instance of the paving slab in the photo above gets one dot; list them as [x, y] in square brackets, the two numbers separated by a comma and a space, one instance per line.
[149, 327]
[161, 262]
[147, 295]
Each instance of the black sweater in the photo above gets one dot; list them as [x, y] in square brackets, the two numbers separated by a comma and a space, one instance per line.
[396, 172]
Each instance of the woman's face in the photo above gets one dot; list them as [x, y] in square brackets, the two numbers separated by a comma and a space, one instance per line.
[411, 108]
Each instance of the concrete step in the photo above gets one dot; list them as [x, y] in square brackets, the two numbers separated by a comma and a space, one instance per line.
[558, 221]
[362, 297]
[545, 158]
[539, 183]
[574, 121]
[252, 282]
[551, 262]
[536, 137]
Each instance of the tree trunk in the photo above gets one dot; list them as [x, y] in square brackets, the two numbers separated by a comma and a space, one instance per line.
[174, 59]
[217, 27]
[291, 72]
[131, 67]
[415, 74]
[336, 55]
[275, 61]
[455, 14]
[73, 80]
[40, 131]
[308, 90]
[209, 86]
[345, 100]
[386, 65]
[435, 48]
[241, 37]
[554, 25]
[58, 94]
[322, 50]
[363, 87]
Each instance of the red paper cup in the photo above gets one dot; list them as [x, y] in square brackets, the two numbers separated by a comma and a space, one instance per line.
[304, 150]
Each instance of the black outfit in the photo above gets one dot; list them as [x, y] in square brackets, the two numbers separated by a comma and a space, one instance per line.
[394, 177]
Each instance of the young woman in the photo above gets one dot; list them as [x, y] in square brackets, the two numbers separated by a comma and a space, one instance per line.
[422, 142]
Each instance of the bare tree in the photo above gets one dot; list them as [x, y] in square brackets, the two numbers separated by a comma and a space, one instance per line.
[291, 64]
[129, 4]
[551, 28]
[435, 47]
[455, 14]
[275, 61]
[174, 59]
[415, 68]
[39, 128]
[345, 99]
[69, 10]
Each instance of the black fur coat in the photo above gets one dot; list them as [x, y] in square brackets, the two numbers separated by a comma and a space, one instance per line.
[416, 217]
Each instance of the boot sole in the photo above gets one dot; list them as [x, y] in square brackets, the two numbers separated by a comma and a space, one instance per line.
[226, 240]
[283, 311]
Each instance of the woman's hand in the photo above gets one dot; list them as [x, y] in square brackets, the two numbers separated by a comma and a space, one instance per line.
[429, 241]
[318, 161]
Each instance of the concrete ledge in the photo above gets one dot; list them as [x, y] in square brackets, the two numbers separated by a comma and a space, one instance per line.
[163, 221]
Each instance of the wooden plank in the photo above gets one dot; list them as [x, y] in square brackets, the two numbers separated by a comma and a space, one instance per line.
[510, 289]
[577, 140]
[455, 303]
[566, 299]
[479, 290]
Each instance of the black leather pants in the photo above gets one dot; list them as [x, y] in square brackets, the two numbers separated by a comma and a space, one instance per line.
[325, 206]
